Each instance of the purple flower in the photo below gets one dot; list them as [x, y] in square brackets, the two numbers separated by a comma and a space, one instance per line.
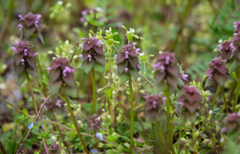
[32, 23]
[94, 122]
[189, 101]
[183, 76]
[237, 27]
[233, 122]
[92, 55]
[31, 20]
[166, 72]
[217, 72]
[154, 107]
[127, 62]
[235, 45]
[53, 104]
[24, 61]
[61, 76]
[225, 50]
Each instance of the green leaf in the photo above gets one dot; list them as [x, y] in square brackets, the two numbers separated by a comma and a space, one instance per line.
[124, 77]
[70, 91]
[49, 141]
[33, 72]
[98, 67]
[22, 78]
[234, 66]
[55, 87]
[87, 65]
[134, 73]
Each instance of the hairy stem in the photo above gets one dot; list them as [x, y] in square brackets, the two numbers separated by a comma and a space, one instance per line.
[193, 137]
[94, 91]
[237, 92]
[225, 101]
[132, 115]
[60, 133]
[215, 97]
[74, 51]
[11, 105]
[168, 118]
[75, 123]
[32, 94]
[179, 138]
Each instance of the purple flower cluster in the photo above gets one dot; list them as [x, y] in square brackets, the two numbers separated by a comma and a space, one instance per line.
[154, 107]
[24, 61]
[32, 22]
[61, 76]
[127, 62]
[94, 122]
[167, 72]
[233, 122]
[92, 55]
[189, 100]
[217, 72]
[52, 104]
[225, 50]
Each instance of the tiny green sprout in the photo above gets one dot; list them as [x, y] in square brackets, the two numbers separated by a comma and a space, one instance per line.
[130, 34]
[110, 38]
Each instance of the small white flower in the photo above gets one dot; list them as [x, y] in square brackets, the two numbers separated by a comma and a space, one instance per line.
[60, 2]
[210, 112]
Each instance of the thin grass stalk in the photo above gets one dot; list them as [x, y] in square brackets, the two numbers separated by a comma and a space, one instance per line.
[132, 114]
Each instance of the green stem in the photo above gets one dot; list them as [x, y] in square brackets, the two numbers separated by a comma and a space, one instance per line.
[94, 91]
[60, 133]
[32, 94]
[225, 101]
[179, 138]
[75, 123]
[215, 97]
[41, 75]
[132, 115]
[11, 105]
[193, 137]
[150, 65]
[162, 136]
[237, 92]
[168, 118]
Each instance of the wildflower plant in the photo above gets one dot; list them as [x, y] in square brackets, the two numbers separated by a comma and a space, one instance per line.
[127, 62]
[154, 107]
[92, 55]
[30, 24]
[166, 73]
[61, 75]
[24, 61]
[217, 72]
[189, 100]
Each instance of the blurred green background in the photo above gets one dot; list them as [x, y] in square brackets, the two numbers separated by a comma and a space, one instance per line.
[190, 28]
